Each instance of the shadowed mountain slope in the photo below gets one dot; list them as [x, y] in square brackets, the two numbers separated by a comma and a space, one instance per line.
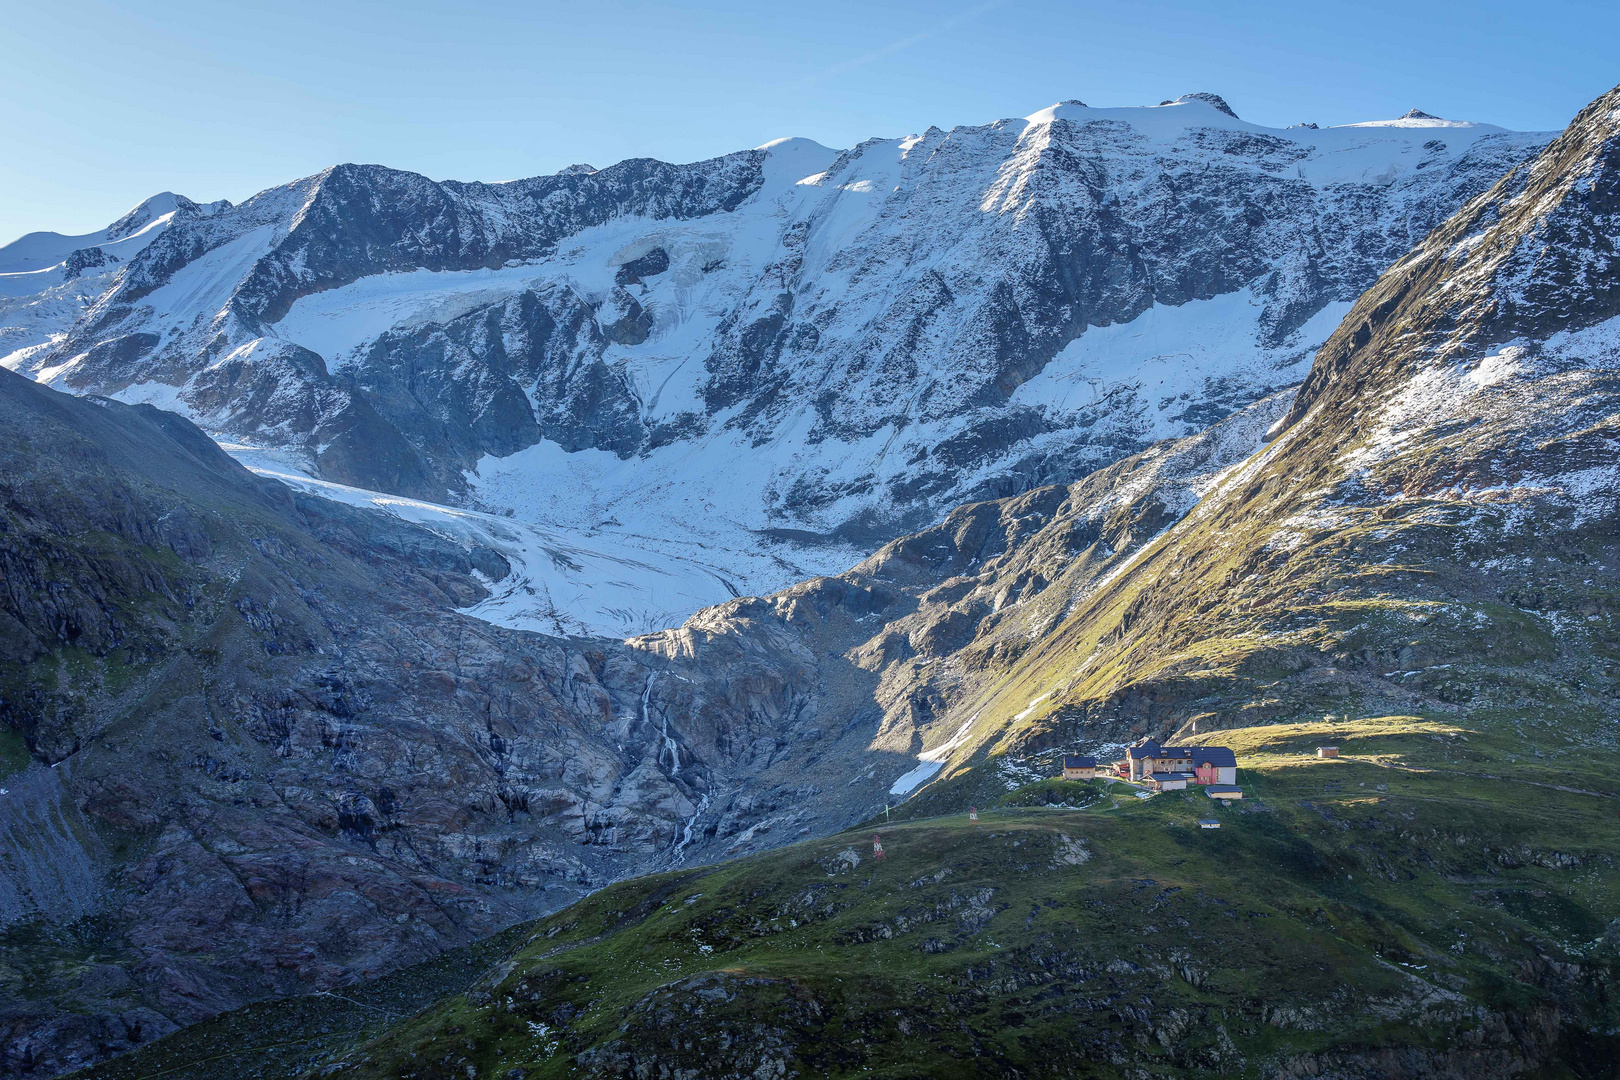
[252, 748]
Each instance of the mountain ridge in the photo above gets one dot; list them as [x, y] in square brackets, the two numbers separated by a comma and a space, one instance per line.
[373, 326]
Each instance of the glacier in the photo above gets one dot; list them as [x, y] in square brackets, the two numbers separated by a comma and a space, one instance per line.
[655, 387]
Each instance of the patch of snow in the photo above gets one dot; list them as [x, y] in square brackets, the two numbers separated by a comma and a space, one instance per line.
[206, 283]
[1168, 357]
[336, 322]
[931, 761]
[911, 781]
[153, 393]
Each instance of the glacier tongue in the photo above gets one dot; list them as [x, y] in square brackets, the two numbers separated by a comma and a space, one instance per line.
[620, 546]
[699, 502]
[611, 580]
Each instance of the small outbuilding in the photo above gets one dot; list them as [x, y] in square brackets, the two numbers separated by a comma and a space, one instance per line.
[1224, 791]
[1208, 823]
[1079, 768]
[1168, 781]
[1327, 751]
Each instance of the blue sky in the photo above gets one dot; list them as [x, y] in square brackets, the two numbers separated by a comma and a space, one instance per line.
[103, 104]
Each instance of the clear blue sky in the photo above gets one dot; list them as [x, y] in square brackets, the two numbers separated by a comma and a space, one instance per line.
[102, 104]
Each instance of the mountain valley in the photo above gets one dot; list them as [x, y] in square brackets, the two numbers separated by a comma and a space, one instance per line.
[395, 703]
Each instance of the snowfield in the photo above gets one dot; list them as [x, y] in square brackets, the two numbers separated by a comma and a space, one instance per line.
[607, 581]
[656, 387]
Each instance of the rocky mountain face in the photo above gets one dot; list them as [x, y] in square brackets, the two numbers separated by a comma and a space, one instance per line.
[795, 343]
[269, 752]
[1418, 564]
[266, 754]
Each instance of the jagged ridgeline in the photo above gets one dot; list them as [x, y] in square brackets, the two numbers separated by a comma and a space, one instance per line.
[1414, 559]
[743, 372]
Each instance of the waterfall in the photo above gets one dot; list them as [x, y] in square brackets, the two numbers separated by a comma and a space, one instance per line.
[686, 832]
[672, 748]
[669, 745]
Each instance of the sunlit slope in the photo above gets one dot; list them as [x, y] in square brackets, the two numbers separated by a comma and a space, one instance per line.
[1433, 531]
[1395, 912]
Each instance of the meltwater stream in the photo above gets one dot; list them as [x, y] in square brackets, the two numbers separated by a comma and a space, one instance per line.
[673, 749]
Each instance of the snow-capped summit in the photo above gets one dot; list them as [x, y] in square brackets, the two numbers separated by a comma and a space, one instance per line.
[1213, 100]
[742, 371]
[48, 279]
[1417, 118]
[1174, 115]
[159, 208]
[45, 250]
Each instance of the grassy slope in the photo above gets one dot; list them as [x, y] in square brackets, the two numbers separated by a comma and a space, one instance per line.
[1398, 898]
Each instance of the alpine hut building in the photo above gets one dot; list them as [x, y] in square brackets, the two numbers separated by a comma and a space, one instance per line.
[1079, 768]
[1169, 767]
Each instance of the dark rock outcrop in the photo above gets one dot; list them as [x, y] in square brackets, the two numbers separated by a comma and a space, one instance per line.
[281, 760]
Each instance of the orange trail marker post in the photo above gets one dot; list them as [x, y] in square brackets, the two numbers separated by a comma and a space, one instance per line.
[877, 846]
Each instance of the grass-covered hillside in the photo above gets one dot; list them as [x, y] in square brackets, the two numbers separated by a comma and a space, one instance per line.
[1425, 905]
[1417, 907]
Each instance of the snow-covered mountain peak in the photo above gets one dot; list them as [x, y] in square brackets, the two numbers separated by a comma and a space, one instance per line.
[158, 209]
[790, 160]
[1164, 122]
[44, 250]
[1329, 154]
[1417, 119]
[757, 367]
[1214, 101]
